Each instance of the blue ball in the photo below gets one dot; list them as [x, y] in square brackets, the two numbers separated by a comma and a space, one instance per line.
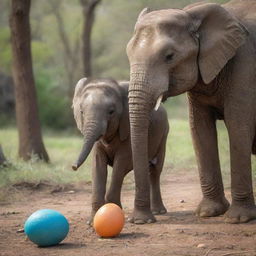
[46, 227]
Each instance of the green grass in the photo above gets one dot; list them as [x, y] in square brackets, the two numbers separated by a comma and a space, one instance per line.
[64, 147]
[179, 151]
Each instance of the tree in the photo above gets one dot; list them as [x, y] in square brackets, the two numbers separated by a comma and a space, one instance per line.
[70, 53]
[30, 138]
[88, 13]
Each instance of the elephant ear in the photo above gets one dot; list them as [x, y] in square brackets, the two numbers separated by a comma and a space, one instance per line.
[78, 90]
[124, 125]
[220, 35]
[79, 87]
[141, 15]
[143, 12]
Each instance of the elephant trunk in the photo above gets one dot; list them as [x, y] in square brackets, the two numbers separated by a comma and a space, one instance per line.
[91, 134]
[139, 110]
[86, 149]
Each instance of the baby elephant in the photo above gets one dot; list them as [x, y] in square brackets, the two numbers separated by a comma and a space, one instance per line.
[102, 115]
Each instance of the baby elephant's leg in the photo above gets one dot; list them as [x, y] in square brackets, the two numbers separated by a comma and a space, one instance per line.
[114, 192]
[99, 180]
[156, 166]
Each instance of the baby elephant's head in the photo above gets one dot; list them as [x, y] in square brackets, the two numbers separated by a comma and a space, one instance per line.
[100, 110]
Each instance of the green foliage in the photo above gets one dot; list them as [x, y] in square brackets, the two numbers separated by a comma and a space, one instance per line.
[54, 107]
[42, 55]
[5, 50]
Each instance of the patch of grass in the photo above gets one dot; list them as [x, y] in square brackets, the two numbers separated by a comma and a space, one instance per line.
[179, 150]
[63, 149]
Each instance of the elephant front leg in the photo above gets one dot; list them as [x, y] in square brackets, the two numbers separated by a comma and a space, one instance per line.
[243, 207]
[139, 140]
[120, 169]
[99, 180]
[204, 135]
[157, 206]
[142, 213]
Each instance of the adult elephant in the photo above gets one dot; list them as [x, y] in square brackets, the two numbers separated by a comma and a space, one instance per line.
[209, 51]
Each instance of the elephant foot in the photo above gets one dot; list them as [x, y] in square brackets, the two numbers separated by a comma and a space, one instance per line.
[240, 214]
[141, 217]
[89, 222]
[158, 210]
[212, 207]
[114, 201]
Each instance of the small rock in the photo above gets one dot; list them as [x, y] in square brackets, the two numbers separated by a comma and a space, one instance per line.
[201, 246]
[105, 239]
[182, 201]
[71, 192]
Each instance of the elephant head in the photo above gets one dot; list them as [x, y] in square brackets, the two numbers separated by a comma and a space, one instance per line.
[169, 53]
[100, 110]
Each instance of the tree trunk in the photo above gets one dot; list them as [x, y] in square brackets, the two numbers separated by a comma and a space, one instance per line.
[88, 13]
[2, 157]
[30, 138]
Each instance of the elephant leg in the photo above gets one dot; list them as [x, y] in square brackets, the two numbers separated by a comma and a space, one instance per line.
[118, 174]
[204, 135]
[157, 206]
[99, 180]
[156, 202]
[241, 137]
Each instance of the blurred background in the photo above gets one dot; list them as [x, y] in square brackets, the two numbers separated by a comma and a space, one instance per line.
[57, 42]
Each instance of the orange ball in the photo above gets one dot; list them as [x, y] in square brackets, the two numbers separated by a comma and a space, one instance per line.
[108, 220]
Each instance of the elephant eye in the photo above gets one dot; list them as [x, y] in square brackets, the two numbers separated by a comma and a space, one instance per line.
[169, 57]
[81, 111]
[111, 111]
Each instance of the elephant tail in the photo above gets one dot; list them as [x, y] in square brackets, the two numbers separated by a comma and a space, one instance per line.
[254, 146]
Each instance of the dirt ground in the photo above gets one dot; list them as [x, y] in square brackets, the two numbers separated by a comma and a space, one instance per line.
[179, 232]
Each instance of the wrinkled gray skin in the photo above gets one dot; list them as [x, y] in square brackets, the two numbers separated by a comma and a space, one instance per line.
[209, 51]
[102, 116]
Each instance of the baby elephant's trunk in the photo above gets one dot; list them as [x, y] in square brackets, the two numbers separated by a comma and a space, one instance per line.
[91, 135]
[87, 147]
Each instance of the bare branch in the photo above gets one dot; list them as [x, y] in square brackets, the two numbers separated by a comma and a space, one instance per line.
[61, 27]
[70, 53]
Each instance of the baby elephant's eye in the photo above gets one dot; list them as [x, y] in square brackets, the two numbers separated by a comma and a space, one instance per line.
[111, 111]
[169, 57]
[81, 111]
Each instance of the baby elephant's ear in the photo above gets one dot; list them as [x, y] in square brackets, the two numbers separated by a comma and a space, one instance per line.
[143, 12]
[78, 89]
[79, 86]
[124, 125]
[124, 86]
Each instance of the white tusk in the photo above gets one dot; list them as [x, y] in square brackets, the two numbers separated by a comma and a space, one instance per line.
[158, 102]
